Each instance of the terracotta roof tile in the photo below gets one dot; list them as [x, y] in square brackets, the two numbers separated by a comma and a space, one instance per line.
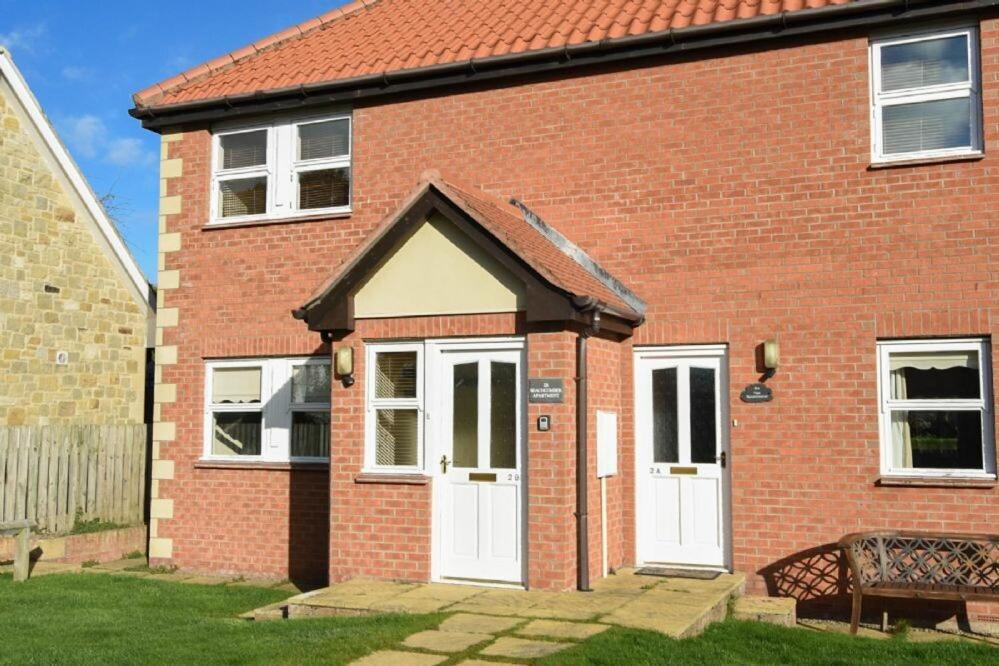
[371, 37]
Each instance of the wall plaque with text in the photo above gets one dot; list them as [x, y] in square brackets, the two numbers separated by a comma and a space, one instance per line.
[545, 390]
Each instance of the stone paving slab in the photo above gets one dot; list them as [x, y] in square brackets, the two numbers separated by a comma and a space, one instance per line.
[773, 610]
[426, 598]
[578, 605]
[503, 602]
[357, 594]
[119, 565]
[445, 641]
[574, 631]
[479, 624]
[399, 658]
[171, 577]
[49, 568]
[520, 648]
[625, 582]
[205, 580]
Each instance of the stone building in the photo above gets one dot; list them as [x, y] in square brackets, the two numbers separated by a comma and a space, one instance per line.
[75, 308]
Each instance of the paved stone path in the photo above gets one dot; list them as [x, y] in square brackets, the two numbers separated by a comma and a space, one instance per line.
[521, 625]
[486, 635]
[673, 606]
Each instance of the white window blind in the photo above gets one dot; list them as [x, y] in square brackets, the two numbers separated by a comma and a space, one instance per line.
[274, 409]
[284, 169]
[926, 95]
[394, 438]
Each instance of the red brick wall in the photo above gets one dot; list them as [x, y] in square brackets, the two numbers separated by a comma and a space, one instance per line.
[733, 193]
[605, 379]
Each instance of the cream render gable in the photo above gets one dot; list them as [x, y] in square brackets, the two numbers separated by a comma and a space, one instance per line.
[438, 270]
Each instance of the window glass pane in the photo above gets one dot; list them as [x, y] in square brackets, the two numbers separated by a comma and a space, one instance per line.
[935, 375]
[243, 196]
[310, 434]
[664, 417]
[248, 149]
[396, 437]
[310, 383]
[236, 434]
[927, 63]
[236, 385]
[503, 415]
[327, 139]
[703, 436]
[937, 439]
[465, 417]
[326, 188]
[927, 126]
[395, 375]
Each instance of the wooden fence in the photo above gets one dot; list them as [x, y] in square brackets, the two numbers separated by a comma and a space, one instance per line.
[56, 475]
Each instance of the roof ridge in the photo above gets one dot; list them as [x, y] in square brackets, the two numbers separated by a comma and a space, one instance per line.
[231, 58]
[579, 255]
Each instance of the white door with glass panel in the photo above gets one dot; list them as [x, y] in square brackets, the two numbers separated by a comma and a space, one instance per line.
[477, 432]
[681, 449]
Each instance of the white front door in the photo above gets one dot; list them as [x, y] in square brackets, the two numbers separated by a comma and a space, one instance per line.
[681, 447]
[478, 462]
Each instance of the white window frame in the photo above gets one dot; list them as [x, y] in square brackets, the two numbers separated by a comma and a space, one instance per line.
[282, 170]
[275, 406]
[983, 404]
[970, 89]
[373, 404]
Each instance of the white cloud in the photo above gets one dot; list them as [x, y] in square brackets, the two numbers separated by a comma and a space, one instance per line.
[89, 137]
[128, 152]
[27, 39]
[77, 73]
[87, 134]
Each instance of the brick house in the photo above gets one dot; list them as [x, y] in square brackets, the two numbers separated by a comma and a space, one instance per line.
[76, 313]
[522, 293]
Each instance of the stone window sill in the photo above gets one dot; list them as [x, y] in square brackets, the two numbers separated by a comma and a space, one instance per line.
[936, 482]
[414, 479]
[215, 226]
[920, 161]
[263, 465]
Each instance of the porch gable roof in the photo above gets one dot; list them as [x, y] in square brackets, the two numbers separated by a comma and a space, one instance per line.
[562, 282]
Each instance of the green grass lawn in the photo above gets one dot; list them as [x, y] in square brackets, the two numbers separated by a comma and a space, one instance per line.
[102, 619]
[734, 642]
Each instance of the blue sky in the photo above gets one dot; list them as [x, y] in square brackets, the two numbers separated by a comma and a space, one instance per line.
[83, 60]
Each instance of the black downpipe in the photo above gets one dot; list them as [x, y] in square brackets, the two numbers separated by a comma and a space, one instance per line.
[582, 472]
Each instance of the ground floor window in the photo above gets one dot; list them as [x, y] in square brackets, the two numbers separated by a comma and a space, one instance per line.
[395, 405]
[936, 407]
[273, 409]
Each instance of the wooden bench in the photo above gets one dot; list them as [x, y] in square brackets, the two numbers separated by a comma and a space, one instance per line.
[22, 553]
[921, 565]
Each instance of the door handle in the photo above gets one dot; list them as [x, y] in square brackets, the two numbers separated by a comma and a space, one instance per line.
[723, 459]
[444, 464]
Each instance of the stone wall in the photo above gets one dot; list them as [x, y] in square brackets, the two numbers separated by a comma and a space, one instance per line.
[59, 291]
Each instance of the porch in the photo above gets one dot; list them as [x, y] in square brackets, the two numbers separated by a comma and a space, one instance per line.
[677, 607]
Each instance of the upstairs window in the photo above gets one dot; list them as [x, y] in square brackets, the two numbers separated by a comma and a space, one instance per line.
[936, 408]
[926, 96]
[282, 170]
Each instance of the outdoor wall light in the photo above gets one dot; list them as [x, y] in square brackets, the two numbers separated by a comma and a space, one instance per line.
[344, 365]
[771, 357]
